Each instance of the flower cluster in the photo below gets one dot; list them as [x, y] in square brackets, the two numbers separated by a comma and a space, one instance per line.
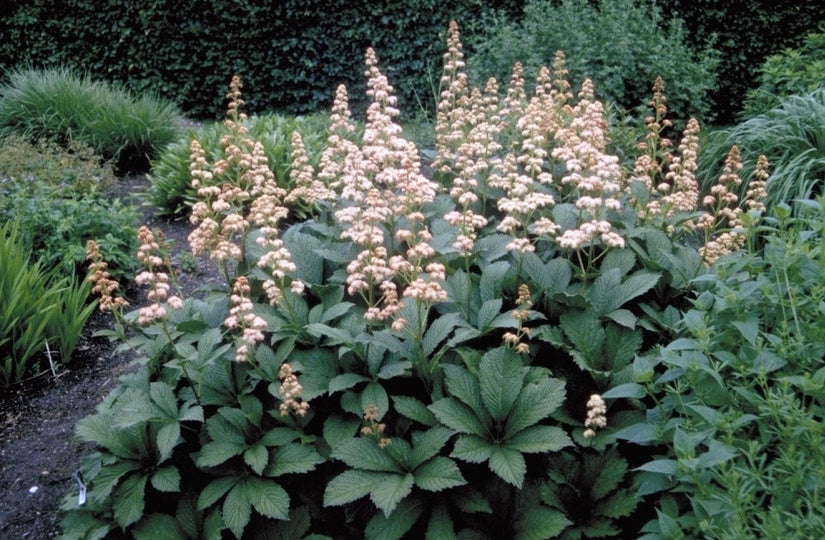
[154, 256]
[242, 316]
[514, 339]
[374, 428]
[102, 282]
[290, 391]
[596, 416]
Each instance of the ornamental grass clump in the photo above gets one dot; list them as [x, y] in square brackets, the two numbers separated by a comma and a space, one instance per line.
[393, 354]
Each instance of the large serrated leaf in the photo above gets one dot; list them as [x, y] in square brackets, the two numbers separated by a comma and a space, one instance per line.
[164, 397]
[620, 504]
[345, 381]
[440, 526]
[166, 479]
[257, 457]
[438, 331]
[413, 409]
[267, 497]
[427, 444]
[464, 385]
[488, 312]
[586, 334]
[457, 416]
[338, 429]
[213, 491]
[635, 286]
[603, 292]
[537, 439]
[438, 474]
[472, 449]
[501, 375]
[604, 473]
[293, 459]
[397, 524]
[129, 500]
[364, 453]
[535, 403]
[237, 509]
[304, 251]
[391, 490]
[621, 259]
[508, 464]
[167, 438]
[217, 452]
[540, 523]
[492, 279]
[350, 486]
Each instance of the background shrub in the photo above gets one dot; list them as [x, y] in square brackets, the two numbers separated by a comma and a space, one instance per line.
[39, 307]
[622, 46]
[792, 72]
[57, 104]
[58, 198]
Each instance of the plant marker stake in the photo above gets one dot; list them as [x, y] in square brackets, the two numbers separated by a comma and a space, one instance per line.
[81, 487]
[51, 364]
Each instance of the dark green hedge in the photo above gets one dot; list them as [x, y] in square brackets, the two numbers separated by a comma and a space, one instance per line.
[290, 53]
[745, 32]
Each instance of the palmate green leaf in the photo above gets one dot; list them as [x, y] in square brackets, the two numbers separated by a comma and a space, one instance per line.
[604, 472]
[540, 523]
[535, 403]
[464, 385]
[267, 497]
[438, 474]
[457, 416]
[128, 500]
[350, 486]
[166, 479]
[214, 491]
[472, 449]
[167, 438]
[413, 409]
[508, 464]
[237, 509]
[537, 439]
[304, 251]
[345, 381]
[551, 277]
[586, 334]
[293, 459]
[338, 429]
[217, 452]
[164, 397]
[364, 453]
[438, 331]
[426, 444]
[109, 475]
[501, 374]
[390, 490]
[620, 504]
[395, 525]
[488, 312]
[492, 279]
[257, 457]
[158, 527]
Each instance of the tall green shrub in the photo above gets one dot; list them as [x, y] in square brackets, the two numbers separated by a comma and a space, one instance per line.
[622, 46]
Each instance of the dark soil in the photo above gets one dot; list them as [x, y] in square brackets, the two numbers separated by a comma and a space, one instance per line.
[38, 450]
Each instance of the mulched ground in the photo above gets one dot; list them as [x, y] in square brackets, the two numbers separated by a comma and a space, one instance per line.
[38, 450]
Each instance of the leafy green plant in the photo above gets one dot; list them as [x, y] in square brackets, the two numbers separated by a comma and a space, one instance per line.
[736, 406]
[41, 313]
[171, 192]
[60, 105]
[790, 135]
[795, 71]
[398, 355]
[58, 199]
[623, 46]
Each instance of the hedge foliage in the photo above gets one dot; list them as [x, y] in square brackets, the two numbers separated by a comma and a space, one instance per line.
[290, 53]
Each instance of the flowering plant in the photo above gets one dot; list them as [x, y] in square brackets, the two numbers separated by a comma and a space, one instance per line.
[433, 344]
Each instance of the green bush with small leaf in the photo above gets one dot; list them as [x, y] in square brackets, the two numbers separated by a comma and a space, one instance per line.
[58, 198]
[42, 313]
[59, 105]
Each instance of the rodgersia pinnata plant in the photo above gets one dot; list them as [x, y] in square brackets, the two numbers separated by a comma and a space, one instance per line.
[398, 354]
